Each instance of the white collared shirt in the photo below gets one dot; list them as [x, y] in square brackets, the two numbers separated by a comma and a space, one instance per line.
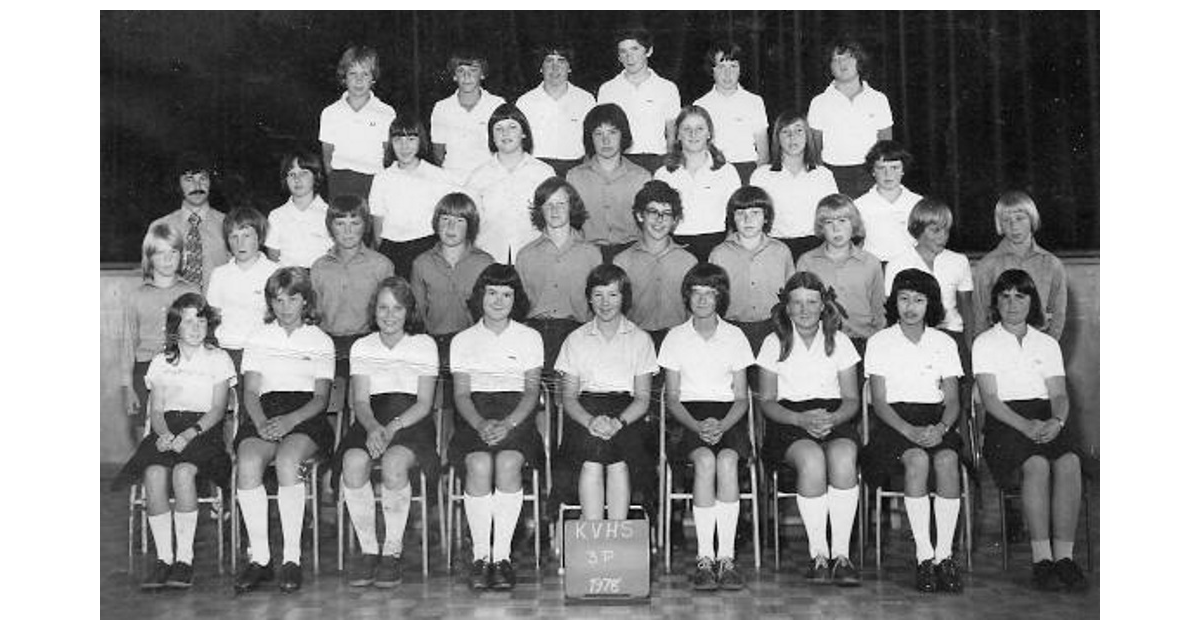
[357, 136]
[496, 363]
[849, 127]
[913, 372]
[1021, 367]
[706, 366]
[289, 363]
[795, 196]
[405, 199]
[463, 132]
[557, 124]
[704, 195]
[953, 273]
[607, 365]
[808, 373]
[300, 235]
[188, 384]
[649, 107]
[397, 369]
[238, 293]
[736, 118]
[503, 197]
[886, 222]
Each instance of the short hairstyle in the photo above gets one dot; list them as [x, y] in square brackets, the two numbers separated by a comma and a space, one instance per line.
[156, 237]
[361, 55]
[175, 318]
[499, 275]
[402, 291]
[306, 160]
[1023, 283]
[292, 281]
[457, 204]
[606, 114]
[812, 157]
[749, 197]
[467, 58]
[557, 50]
[658, 191]
[832, 312]
[854, 49]
[888, 151]
[833, 205]
[1017, 200]
[728, 51]
[673, 160]
[508, 111]
[541, 195]
[920, 282]
[405, 125]
[606, 274]
[636, 33]
[706, 274]
[244, 216]
[929, 211]
[351, 206]
[193, 162]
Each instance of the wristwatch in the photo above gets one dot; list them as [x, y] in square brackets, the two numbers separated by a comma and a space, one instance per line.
[199, 429]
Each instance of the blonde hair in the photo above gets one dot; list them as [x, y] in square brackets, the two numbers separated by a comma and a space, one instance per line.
[156, 238]
[1017, 200]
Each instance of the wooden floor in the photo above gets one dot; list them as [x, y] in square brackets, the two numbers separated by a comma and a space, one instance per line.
[990, 593]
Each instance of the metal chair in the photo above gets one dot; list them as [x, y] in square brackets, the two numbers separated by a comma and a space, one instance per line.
[310, 472]
[668, 495]
[216, 502]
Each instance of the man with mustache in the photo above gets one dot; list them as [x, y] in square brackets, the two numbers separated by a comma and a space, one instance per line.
[204, 241]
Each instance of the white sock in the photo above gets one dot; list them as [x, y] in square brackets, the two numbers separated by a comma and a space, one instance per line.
[727, 518]
[814, 511]
[1041, 550]
[291, 520]
[360, 503]
[395, 518]
[185, 535]
[479, 521]
[946, 516]
[918, 521]
[507, 510]
[706, 523]
[160, 526]
[254, 513]
[1064, 549]
[843, 504]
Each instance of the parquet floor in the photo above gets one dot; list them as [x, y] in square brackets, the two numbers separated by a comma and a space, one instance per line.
[990, 592]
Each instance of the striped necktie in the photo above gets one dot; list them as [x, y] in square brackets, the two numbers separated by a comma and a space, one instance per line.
[193, 252]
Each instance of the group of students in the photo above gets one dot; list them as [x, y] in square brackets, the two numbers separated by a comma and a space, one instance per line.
[602, 291]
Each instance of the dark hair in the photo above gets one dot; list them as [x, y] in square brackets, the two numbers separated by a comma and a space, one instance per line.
[402, 291]
[636, 33]
[674, 157]
[1023, 283]
[244, 216]
[749, 197]
[192, 162]
[658, 191]
[606, 114]
[351, 206]
[406, 124]
[832, 312]
[499, 275]
[364, 55]
[729, 51]
[558, 50]
[508, 111]
[457, 204]
[304, 159]
[888, 151]
[706, 274]
[175, 318]
[854, 49]
[811, 158]
[604, 275]
[292, 281]
[920, 282]
[467, 58]
[542, 194]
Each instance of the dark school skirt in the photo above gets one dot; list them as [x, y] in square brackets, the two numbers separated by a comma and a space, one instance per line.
[420, 438]
[632, 445]
[403, 253]
[206, 451]
[278, 403]
[525, 439]
[779, 437]
[881, 456]
[1005, 449]
[681, 441]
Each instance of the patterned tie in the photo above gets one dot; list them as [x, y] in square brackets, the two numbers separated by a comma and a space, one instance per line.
[193, 253]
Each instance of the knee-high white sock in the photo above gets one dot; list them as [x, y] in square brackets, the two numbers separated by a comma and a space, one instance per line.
[506, 509]
[479, 521]
[918, 520]
[814, 511]
[254, 514]
[945, 513]
[843, 504]
[160, 527]
[291, 520]
[395, 518]
[727, 517]
[1064, 549]
[360, 503]
[706, 522]
[1041, 550]
[185, 535]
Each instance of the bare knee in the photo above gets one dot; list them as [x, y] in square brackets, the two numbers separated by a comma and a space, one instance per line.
[946, 462]
[842, 456]
[508, 465]
[916, 462]
[355, 468]
[184, 475]
[397, 461]
[1068, 466]
[704, 462]
[479, 467]
[1036, 470]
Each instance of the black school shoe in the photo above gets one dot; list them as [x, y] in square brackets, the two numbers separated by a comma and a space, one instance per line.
[387, 574]
[926, 582]
[1070, 575]
[844, 573]
[504, 577]
[290, 577]
[480, 575]
[181, 575]
[947, 576]
[705, 578]
[156, 576]
[362, 571]
[728, 578]
[818, 571]
[1045, 577]
[253, 575]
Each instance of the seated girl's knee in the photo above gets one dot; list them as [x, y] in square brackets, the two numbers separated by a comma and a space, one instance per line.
[945, 458]
[509, 463]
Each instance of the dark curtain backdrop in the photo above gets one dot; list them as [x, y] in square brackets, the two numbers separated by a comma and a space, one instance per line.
[984, 100]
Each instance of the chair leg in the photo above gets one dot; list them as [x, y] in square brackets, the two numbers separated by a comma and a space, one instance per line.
[667, 516]
[1003, 534]
[537, 521]
[1087, 525]
[314, 488]
[878, 530]
[754, 509]
[424, 526]
[341, 531]
[447, 526]
[220, 497]
[235, 528]
[863, 516]
[968, 533]
[773, 497]
[132, 516]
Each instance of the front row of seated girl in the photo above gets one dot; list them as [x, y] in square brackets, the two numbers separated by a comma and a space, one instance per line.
[807, 385]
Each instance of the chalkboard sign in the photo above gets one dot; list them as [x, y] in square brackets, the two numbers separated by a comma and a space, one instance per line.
[607, 560]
